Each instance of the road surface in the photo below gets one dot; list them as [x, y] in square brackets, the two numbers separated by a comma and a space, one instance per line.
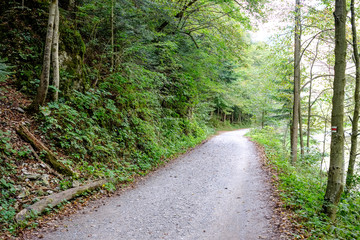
[216, 191]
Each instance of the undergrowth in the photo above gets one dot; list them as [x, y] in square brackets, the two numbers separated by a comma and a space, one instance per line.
[303, 188]
[9, 159]
[119, 129]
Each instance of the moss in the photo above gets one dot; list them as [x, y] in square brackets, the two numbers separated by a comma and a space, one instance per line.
[73, 49]
[72, 41]
[58, 166]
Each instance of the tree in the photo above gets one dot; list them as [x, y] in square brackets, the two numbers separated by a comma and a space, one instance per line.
[335, 184]
[296, 100]
[310, 95]
[55, 56]
[45, 74]
[355, 119]
[112, 35]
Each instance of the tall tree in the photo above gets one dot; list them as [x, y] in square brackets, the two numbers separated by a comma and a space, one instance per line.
[309, 101]
[355, 119]
[55, 56]
[296, 100]
[301, 135]
[112, 35]
[335, 184]
[45, 74]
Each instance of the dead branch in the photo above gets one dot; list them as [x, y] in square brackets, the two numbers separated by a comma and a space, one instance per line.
[57, 198]
[50, 157]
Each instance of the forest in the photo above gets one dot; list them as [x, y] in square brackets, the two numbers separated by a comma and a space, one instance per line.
[99, 93]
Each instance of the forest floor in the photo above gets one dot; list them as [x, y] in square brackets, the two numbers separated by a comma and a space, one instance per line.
[219, 190]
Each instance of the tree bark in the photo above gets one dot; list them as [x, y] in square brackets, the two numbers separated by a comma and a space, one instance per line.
[309, 102]
[301, 133]
[335, 184]
[57, 198]
[112, 36]
[55, 56]
[355, 120]
[50, 157]
[45, 74]
[296, 100]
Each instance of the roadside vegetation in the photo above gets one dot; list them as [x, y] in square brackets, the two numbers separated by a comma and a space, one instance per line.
[302, 188]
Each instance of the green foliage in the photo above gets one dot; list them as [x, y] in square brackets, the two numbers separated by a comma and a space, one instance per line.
[302, 189]
[21, 44]
[8, 188]
[121, 126]
[4, 70]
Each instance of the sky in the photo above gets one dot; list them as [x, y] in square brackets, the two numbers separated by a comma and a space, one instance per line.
[280, 16]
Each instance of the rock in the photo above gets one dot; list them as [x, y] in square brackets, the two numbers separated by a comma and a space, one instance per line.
[19, 109]
[23, 193]
[33, 176]
[45, 181]
[75, 183]
[24, 171]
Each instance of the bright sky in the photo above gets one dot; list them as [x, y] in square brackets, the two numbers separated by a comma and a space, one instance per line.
[279, 17]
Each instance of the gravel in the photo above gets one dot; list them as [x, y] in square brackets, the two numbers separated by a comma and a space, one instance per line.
[216, 191]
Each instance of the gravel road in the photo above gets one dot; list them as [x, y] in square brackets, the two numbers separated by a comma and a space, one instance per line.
[216, 191]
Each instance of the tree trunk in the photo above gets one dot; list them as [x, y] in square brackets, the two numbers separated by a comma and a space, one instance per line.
[355, 120]
[57, 198]
[296, 100]
[50, 157]
[301, 133]
[45, 74]
[112, 36]
[285, 134]
[309, 102]
[55, 56]
[335, 184]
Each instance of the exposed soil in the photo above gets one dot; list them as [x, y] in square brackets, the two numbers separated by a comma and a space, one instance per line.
[217, 191]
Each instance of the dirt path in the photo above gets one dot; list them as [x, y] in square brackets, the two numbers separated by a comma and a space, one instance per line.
[217, 191]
